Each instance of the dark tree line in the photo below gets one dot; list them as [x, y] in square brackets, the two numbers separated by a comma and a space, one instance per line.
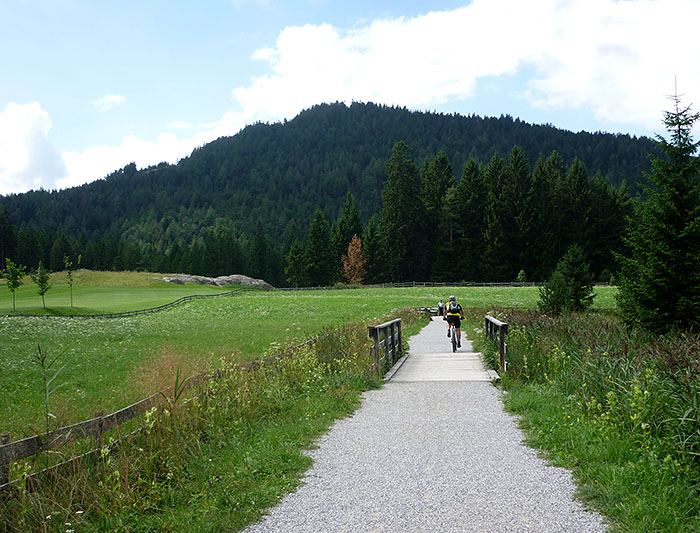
[497, 221]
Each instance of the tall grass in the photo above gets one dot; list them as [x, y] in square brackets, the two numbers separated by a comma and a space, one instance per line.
[214, 459]
[618, 406]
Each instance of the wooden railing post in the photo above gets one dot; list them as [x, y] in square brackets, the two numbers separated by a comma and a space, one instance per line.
[493, 327]
[374, 335]
[393, 344]
[400, 346]
[390, 333]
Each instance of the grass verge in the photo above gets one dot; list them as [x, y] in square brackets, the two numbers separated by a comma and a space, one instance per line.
[615, 406]
[213, 461]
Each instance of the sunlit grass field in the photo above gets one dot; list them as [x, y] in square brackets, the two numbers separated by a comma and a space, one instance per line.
[110, 363]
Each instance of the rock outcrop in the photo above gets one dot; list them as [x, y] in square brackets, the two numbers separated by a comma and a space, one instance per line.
[234, 279]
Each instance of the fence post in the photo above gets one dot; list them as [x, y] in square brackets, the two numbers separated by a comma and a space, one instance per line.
[393, 343]
[5, 471]
[97, 437]
[374, 335]
[386, 345]
[400, 347]
[502, 347]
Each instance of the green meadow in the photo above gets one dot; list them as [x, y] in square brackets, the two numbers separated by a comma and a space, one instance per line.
[237, 449]
[110, 363]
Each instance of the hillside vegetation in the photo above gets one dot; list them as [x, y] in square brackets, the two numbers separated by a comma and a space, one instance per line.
[236, 205]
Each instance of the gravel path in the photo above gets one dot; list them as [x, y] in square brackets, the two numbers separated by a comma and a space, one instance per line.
[430, 456]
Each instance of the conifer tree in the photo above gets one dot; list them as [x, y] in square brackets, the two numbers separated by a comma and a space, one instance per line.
[318, 256]
[495, 268]
[577, 207]
[570, 287]
[517, 215]
[403, 218]
[371, 251]
[546, 193]
[8, 237]
[660, 278]
[295, 259]
[438, 177]
[470, 201]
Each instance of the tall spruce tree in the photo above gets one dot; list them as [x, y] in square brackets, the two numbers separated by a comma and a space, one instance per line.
[469, 223]
[343, 230]
[295, 270]
[495, 247]
[438, 178]
[372, 251]
[547, 194]
[517, 214]
[403, 218]
[318, 256]
[660, 278]
[577, 207]
[8, 237]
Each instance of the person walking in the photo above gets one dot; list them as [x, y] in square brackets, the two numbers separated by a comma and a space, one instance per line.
[441, 308]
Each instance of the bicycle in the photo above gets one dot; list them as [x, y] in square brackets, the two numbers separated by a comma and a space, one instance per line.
[453, 337]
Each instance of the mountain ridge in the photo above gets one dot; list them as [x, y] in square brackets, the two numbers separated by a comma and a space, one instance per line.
[280, 172]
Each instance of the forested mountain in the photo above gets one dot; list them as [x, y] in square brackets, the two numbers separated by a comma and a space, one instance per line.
[262, 186]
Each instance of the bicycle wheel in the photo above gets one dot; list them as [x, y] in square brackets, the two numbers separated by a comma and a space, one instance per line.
[454, 339]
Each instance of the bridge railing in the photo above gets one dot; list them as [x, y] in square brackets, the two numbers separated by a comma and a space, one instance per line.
[496, 330]
[386, 347]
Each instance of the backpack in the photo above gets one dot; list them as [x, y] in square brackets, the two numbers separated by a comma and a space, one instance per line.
[453, 308]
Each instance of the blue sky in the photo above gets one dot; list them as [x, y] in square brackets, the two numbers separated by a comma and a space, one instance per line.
[87, 86]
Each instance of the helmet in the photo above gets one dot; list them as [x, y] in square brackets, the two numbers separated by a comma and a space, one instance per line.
[452, 298]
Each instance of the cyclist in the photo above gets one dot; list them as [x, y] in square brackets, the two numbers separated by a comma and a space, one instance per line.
[454, 314]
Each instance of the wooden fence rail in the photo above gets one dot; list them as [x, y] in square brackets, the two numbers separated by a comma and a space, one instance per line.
[11, 452]
[387, 343]
[495, 329]
[150, 310]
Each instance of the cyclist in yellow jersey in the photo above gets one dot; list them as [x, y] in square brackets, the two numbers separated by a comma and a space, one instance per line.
[454, 314]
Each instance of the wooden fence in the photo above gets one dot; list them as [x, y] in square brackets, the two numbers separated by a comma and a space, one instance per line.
[386, 347]
[495, 329]
[150, 310]
[407, 284]
[11, 452]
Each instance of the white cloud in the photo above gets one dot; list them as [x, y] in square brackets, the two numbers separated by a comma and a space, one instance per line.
[99, 161]
[178, 125]
[27, 158]
[108, 101]
[616, 58]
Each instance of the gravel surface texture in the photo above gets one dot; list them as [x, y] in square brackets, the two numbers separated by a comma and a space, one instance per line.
[430, 456]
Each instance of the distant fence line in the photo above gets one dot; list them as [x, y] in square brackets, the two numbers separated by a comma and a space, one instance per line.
[409, 284]
[150, 310]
